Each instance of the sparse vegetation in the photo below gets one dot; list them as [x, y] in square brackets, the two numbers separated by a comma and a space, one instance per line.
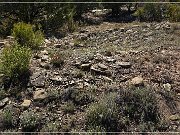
[57, 59]
[119, 75]
[7, 119]
[139, 105]
[69, 107]
[26, 36]
[103, 115]
[2, 94]
[15, 63]
[51, 127]
[29, 121]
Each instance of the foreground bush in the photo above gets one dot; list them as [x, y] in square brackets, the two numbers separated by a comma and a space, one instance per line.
[103, 115]
[15, 62]
[29, 121]
[173, 12]
[26, 36]
[150, 12]
[139, 105]
[136, 107]
[158, 12]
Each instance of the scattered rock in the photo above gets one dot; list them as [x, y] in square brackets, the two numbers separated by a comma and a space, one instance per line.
[86, 67]
[124, 64]
[102, 66]
[57, 45]
[39, 94]
[122, 29]
[2, 43]
[38, 79]
[137, 81]
[57, 79]
[95, 70]
[107, 79]
[10, 37]
[4, 102]
[174, 117]
[44, 52]
[129, 31]
[108, 59]
[45, 65]
[26, 103]
[167, 86]
[47, 41]
[71, 44]
[108, 53]
[45, 58]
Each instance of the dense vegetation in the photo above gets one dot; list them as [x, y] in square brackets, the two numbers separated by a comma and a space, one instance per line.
[72, 96]
[63, 17]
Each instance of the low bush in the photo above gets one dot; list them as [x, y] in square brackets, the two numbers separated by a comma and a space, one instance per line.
[139, 105]
[150, 12]
[26, 36]
[6, 119]
[158, 12]
[51, 127]
[135, 107]
[69, 107]
[14, 63]
[57, 59]
[173, 12]
[2, 94]
[29, 121]
[103, 115]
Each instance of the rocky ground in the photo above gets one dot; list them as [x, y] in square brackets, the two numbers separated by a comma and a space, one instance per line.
[69, 74]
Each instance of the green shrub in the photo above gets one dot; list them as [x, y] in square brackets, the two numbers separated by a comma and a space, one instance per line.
[14, 62]
[51, 127]
[2, 94]
[103, 115]
[69, 107]
[80, 97]
[29, 121]
[7, 119]
[139, 105]
[26, 36]
[6, 26]
[173, 12]
[150, 12]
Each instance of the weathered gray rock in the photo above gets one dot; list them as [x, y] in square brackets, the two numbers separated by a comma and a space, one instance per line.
[45, 58]
[40, 94]
[175, 117]
[122, 29]
[45, 65]
[57, 79]
[129, 31]
[108, 59]
[2, 43]
[26, 103]
[38, 79]
[102, 66]
[10, 37]
[95, 70]
[44, 52]
[137, 81]
[4, 102]
[167, 86]
[107, 79]
[47, 41]
[57, 45]
[124, 64]
[86, 66]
